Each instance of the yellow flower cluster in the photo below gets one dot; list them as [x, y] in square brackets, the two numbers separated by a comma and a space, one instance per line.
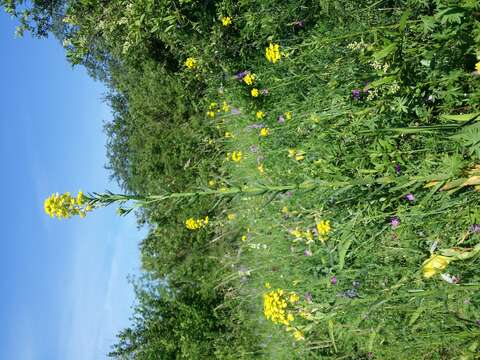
[249, 79]
[275, 307]
[298, 155]
[272, 53]
[214, 108]
[255, 92]
[64, 206]
[235, 156]
[323, 228]
[434, 265]
[195, 224]
[191, 63]
[264, 132]
[226, 20]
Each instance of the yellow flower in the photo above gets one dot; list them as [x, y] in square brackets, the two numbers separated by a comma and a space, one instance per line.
[64, 206]
[323, 228]
[297, 233]
[275, 307]
[191, 63]
[264, 132]
[435, 265]
[228, 135]
[244, 238]
[195, 224]
[211, 113]
[260, 114]
[477, 66]
[212, 182]
[213, 105]
[255, 92]
[294, 298]
[226, 20]
[272, 53]
[261, 169]
[249, 79]
[285, 210]
[225, 107]
[236, 156]
[298, 335]
[298, 155]
[288, 115]
[231, 217]
[267, 285]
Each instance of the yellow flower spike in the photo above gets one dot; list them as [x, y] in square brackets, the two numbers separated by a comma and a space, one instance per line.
[249, 79]
[226, 20]
[191, 63]
[272, 53]
[64, 206]
[260, 114]
[434, 265]
[255, 92]
[264, 132]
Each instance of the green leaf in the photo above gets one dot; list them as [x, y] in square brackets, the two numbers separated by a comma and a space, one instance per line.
[342, 252]
[382, 81]
[403, 19]
[462, 117]
[387, 50]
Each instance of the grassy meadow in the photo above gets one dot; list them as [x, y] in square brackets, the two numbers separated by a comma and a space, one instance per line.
[331, 150]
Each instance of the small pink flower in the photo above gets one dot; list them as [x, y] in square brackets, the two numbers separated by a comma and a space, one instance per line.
[410, 197]
[394, 222]
[333, 280]
[307, 253]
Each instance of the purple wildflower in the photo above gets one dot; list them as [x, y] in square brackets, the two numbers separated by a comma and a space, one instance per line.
[307, 253]
[235, 111]
[308, 297]
[289, 194]
[281, 119]
[356, 94]
[333, 280]
[240, 75]
[475, 228]
[395, 222]
[398, 169]
[410, 197]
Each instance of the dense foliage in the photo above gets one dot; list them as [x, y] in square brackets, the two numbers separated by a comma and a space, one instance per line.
[371, 105]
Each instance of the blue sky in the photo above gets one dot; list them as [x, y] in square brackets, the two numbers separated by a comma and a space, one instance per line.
[64, 292]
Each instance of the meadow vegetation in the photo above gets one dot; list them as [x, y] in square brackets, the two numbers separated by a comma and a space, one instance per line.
[340, 145]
